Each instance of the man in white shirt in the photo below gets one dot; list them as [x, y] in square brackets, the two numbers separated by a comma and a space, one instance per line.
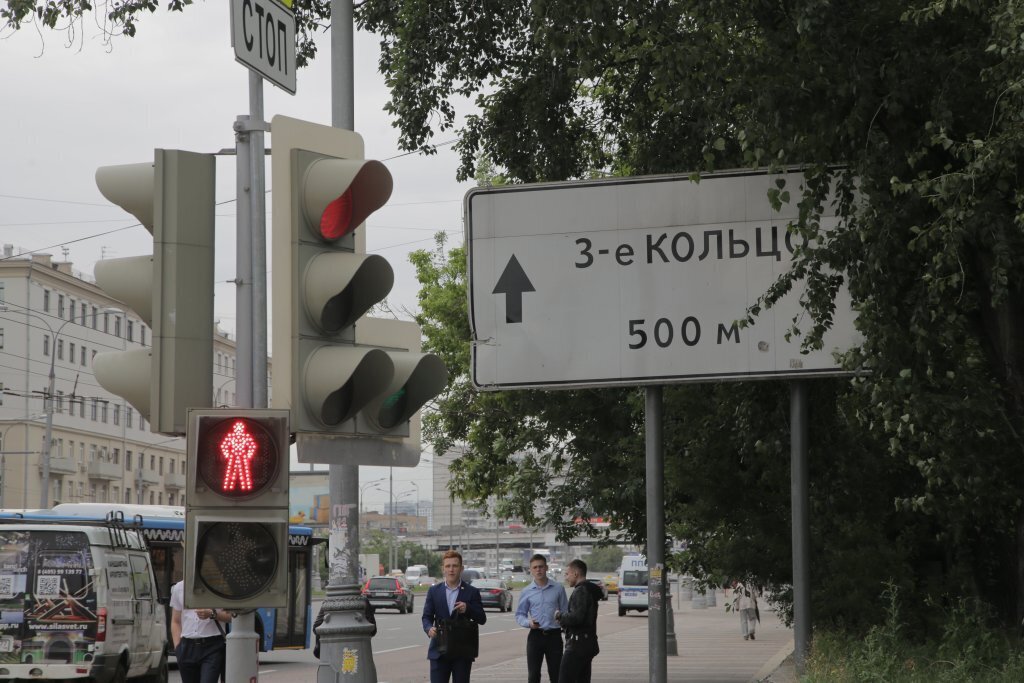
[198, 639]
[538, 603]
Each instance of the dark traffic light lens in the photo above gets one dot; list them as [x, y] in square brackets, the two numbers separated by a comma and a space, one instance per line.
[393, 408]
[236, 457]
[236, 560]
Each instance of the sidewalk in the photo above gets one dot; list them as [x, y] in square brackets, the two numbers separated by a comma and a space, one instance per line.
[711, 650]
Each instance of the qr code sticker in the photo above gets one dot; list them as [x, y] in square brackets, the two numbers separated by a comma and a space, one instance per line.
[48, 586]
[6, 586]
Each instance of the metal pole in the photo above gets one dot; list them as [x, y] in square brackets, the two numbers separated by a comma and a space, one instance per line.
[657, 663]
[251, 387]
[345, 632]
[44, 495]
[801, 524]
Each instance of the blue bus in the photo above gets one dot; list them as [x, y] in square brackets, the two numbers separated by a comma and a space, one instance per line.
[282, 628]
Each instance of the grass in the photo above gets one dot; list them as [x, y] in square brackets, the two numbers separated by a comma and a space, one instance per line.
[969, 649]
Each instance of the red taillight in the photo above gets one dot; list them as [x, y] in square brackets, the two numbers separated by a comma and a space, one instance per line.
[101, 625]
[495, 591]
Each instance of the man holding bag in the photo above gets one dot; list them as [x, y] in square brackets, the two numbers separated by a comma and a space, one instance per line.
[447, 613]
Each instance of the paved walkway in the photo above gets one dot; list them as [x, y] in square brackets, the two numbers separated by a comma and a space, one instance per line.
[711, 650]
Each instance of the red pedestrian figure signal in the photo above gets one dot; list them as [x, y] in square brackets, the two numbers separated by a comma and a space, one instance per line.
[238, 448]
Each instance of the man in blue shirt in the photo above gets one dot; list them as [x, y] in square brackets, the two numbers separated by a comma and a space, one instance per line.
[537, 606]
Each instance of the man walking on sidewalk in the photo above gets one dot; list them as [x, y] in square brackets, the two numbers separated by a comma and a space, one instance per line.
[538, 604]
[580, 626]
[745, 602]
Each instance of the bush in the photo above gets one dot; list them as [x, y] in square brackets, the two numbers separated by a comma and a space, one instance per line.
[969, 649]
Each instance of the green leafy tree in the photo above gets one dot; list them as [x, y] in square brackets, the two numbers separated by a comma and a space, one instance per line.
[911, 111]
[606, 559]
[121, 18]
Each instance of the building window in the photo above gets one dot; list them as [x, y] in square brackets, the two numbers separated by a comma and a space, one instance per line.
[93, 412]
[170, 464]
[131, 330]
[128, 461]
[84, 314]
[95, 315]
[81, 410]
[128, 412]
[60, 402]
[152, 462]
[93, 355]
[92, 453]
[170, 499]
[83, 356]
[117, 326]
[60, 349]
[46, 345]
[127, 495]
[46, 301]
[1, 337]
[71, 309]
[106, 323]
[71, 351]
[117, 414]
[103, 412]
[142, 334]
[3, 292]
[60, 305]
[161, 470]
[1, 393]
[117, 456]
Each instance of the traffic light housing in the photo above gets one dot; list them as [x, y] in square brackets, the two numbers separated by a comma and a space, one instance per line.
[172, 290]
[236, 509]
[333, 382]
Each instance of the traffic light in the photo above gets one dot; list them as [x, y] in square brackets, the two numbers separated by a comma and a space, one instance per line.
[236, 509]
[172, 290]
[332, 381]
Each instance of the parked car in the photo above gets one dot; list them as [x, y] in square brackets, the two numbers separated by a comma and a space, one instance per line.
[611, 582]
[600, 584]
[494, 593]
[469, 575]
[389, 592]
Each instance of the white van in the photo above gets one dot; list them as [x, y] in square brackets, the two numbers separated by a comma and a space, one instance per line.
[78, 601]
[414, 573]
[633, 584]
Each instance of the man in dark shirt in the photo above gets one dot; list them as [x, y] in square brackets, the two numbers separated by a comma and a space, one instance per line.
[580, 626]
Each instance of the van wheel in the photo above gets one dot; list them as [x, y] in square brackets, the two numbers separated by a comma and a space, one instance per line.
[121, 673]
[622, 611]
[159, 674]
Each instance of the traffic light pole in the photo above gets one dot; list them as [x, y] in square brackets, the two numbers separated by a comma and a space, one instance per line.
[345, 649]
[251, 334]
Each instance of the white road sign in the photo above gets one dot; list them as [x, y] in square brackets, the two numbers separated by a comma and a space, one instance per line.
[263, 35]
[636, 281]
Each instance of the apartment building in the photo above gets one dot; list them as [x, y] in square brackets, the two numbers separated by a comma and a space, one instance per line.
[54, 319]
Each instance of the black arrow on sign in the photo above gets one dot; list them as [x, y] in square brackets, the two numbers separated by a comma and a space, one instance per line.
[512, 283]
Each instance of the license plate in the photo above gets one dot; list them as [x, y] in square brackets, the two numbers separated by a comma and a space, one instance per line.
[6, 644]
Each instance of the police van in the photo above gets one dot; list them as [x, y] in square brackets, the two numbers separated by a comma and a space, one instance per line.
[633, 584]
[78, 600]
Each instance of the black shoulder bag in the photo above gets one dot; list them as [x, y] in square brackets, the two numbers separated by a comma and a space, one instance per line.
[458, 638]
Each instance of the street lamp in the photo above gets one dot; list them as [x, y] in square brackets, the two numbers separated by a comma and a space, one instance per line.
[44, 494]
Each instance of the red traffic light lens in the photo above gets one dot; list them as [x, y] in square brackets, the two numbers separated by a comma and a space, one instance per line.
[237, 457]
[336, 220]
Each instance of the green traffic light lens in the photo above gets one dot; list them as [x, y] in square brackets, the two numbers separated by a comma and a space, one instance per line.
[393, 409]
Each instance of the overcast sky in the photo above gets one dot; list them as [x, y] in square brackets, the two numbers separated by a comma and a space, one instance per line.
[67, 109]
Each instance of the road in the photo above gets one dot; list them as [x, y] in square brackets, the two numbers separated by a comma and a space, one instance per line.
[400, 646]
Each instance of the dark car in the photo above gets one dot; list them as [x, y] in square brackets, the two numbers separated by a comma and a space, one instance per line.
[494, 593]
[600, 584]
[389, 592]
[471, 575]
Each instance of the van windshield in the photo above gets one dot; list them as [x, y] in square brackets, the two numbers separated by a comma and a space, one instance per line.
[634, 578]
